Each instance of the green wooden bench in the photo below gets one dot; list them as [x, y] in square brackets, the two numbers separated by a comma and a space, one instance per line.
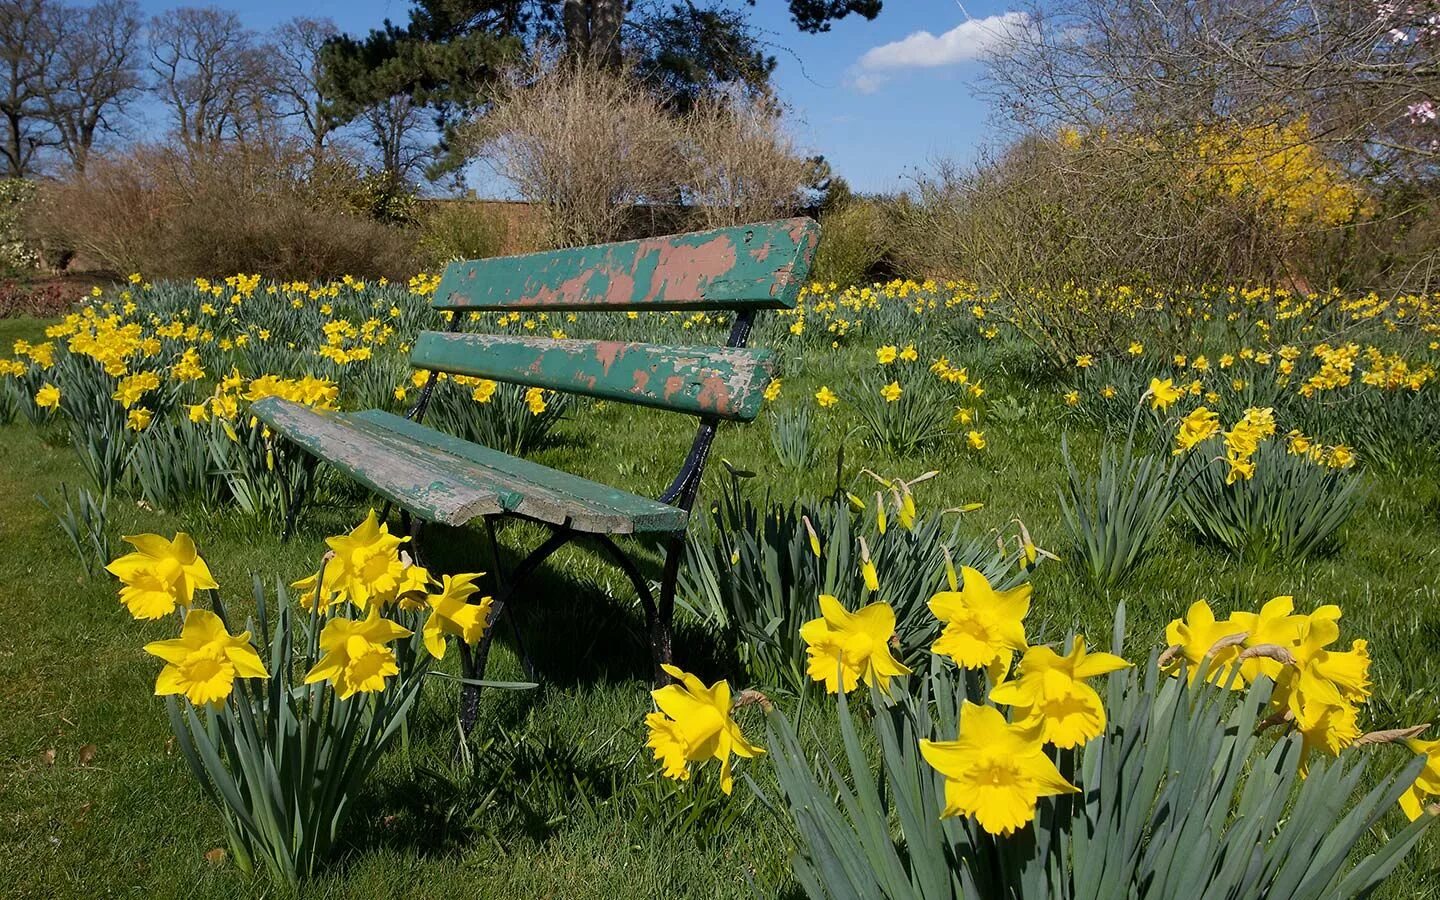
[440, 478]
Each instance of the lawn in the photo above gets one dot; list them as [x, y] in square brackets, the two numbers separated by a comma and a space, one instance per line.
[562, 798]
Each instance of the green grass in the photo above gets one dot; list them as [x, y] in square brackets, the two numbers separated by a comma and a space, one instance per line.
[131, 821]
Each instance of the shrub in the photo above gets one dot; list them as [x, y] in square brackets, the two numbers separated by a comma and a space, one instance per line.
[456, 229]
[284, 743]
[16, 254]
[582, 143]
[852, 245]
[237, 208]
[1290, 507]
[740, 165]
[792, 435]
[41, 301]
[504, 419]
[905, 408]
[757, 572]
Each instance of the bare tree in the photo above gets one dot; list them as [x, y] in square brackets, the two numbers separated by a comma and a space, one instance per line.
[393, 126]
[1356, 71]
[297, 77]
[212, 74]
[27, 51]
[94, 75]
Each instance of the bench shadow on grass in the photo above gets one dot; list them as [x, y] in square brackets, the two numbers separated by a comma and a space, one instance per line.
[577, 615]
[525, 779]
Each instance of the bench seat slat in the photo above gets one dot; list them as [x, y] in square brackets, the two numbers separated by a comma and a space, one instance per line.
[712, 381]
[543, 493]
[759, 266]
[405, 463]
[431, 492]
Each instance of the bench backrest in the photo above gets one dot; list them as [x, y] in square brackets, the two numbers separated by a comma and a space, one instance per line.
[760, 266]
[743, 268]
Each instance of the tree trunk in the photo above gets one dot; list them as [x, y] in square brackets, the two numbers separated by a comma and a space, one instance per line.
[592, 31]
[575, 19]
[606, 17]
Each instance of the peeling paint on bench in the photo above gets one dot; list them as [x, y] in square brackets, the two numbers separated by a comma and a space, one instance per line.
[741, 267]
[727, 383]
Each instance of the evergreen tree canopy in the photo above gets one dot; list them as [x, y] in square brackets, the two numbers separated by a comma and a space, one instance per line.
[451, 50]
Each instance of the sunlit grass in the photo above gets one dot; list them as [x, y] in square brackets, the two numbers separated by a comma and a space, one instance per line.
[130, 820]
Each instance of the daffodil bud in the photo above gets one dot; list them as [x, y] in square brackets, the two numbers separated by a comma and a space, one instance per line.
[814, 538]
[867, 569]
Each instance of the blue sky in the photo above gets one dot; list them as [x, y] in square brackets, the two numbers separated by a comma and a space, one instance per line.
[878, 99]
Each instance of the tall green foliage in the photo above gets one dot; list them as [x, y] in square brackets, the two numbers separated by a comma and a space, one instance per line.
[1116, 514]
[1180, 798]
[754, 576]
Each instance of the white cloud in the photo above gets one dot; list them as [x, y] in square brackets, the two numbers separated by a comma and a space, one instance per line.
[968, 41]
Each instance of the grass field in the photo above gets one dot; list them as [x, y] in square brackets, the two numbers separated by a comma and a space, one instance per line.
[563, 801]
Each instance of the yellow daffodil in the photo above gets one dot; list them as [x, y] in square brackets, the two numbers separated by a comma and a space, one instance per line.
[1052, 688]
[1274, 625]
[975, 439]
[1163, 393]
[1427, 783]
[1196, 635]
[308, 588]
[826, 397]
[1199, 425]
[160, 575]
[366, 564]
[138, 419]
[452, 613]
[886, 355]
[355, 656]
[891, 392]
[846, 647]
[205, 660]
[995, 772]
[772, 391]
[694, 724]
[535, 400]
[1324, 727]
[134, 387]
[48, 397]
[983, 626]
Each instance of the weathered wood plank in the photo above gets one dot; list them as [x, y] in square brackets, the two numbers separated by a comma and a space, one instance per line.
[724, 382]
[760, 266]
[435, 493]
[541, 492]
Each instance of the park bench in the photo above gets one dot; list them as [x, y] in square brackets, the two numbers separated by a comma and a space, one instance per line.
[438, 478]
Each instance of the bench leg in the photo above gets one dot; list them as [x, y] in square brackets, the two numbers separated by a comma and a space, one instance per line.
[473, 661]
[661, 650]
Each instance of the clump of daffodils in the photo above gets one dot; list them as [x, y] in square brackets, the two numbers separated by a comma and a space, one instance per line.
[1243, 440]
[1320, 686]
[365, 574]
